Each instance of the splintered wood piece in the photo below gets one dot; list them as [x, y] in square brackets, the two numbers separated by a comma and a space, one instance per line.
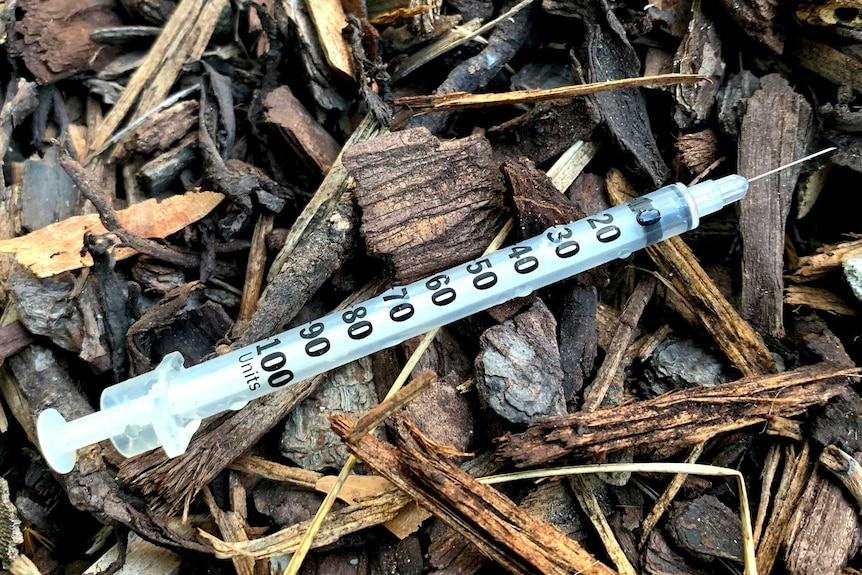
[277, 471]
[57, 248]
[818, 298]
[613, 363]
[500, 529]
[829, 63]
[366, 513]
[462, 100]
[256, 268]
[681, 270]
[183, 38]
[845, 468]
[585, 492]
[828, 259]
[232, 528]
[329, 19]
[776, 130]
[678, 419]
[786, 500]
[426, 204]
[53, 36]
[142, 558]
[288, 118]
[824, 532]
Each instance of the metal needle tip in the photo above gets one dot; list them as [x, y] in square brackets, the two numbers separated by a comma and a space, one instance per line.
[793, 163]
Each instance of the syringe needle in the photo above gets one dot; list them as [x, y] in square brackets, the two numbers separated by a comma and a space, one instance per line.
[793, 163]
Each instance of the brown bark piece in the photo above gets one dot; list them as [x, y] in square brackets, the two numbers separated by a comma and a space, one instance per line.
[516, 539]
[742, 345]
[545, 131]
[538, 204]
[426, 205]
[825, 530]
[829, 63]
[53, 36]
[163, 129]
[699, 53]
[606, 54]
[775, 130]
[677, 419]
[758, 19]
[13, 338]
[284, 115]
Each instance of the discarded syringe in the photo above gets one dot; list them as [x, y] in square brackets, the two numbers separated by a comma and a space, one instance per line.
[164, 407]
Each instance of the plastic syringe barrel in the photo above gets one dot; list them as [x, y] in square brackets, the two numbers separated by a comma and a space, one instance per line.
[168, 407]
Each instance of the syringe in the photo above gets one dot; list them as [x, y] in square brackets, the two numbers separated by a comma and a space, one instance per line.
[164, 407]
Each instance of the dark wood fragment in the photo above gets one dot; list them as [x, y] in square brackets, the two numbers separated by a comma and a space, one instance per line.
[677, 419]
[707, 528]
[606, 54]
[660, 558]
[53, 36]
[546, 131]
[320, 253]
[13, 338]
[113, 296]
[474, 73]
[516, 539]
[20, 100]
[600, 389]
[426, 205]
[518, 373]
[444, 414]
[48, 195]
[732, 100]
[776, 130]
[156, 176]
[758, 19]
[65, 308]
[577, 338]
[404, 557]
[825, 531]
[164, 129]
[699, 53]
[194, 332]
[538, 204]
[239, 181]
[288, 122]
